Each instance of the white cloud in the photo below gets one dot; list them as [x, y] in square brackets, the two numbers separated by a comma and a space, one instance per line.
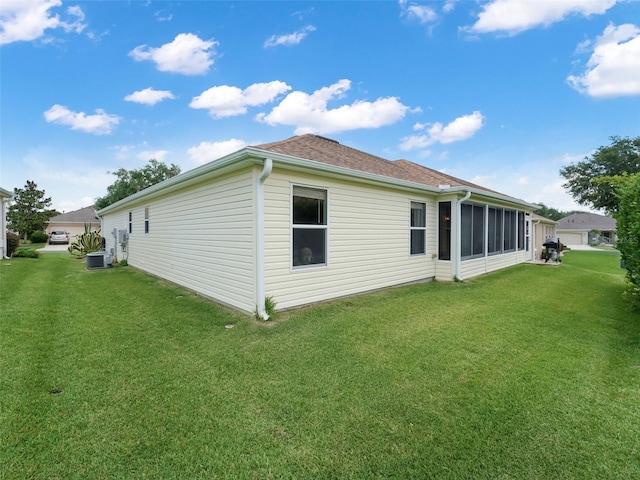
[290, 39]
[227, 101]
[26, 20]
[149, 96]
[421, 13]
[515, 16]
[149, 154]
[208, 151]
[614, 66]
[101, 123]
[310, 114]
[461, 128]
[186, 54]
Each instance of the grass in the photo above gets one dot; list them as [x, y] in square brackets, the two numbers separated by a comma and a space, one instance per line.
[530, 372]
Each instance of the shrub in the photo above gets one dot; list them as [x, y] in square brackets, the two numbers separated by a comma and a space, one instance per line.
[86, 242]
[13, 242]
[628, 225]
[26, 252]
[39, 237]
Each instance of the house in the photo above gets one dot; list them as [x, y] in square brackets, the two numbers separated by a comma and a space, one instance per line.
[308, 219]
[73, 222]
[5, 198]
[543, 228]
[583, 228]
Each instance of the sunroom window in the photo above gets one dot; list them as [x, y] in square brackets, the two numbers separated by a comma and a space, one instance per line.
[309, 212]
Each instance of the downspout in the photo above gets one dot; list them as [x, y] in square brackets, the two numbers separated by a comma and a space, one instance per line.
[3, 220]
[260, 280]
[457, 253]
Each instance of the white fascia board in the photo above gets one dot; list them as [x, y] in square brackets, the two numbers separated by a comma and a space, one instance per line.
[491, 195]
[224, 164]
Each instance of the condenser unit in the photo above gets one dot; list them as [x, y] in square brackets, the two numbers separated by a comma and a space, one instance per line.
[97, 260]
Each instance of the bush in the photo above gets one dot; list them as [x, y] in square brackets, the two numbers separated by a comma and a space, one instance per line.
[26, 252]
[13, 242]
[86, 243]
[39, 237]
[628, 226]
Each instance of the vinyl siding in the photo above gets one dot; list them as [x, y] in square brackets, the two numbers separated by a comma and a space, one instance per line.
[368, 240]
[202, 238]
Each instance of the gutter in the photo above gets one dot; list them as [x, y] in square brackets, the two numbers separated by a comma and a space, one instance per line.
[458, 254]
[260, 256]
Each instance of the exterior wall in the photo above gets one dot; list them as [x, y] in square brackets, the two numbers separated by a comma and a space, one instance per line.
[368, 240]
[573, 238]
[478, 266]
[542, 231]
[201, 237]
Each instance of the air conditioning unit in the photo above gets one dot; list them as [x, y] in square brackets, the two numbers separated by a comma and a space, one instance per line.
[97, 260]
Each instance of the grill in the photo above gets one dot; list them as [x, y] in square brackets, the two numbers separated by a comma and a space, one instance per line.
[552, 249]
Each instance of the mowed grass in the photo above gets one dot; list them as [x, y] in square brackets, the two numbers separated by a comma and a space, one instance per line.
[528, 373]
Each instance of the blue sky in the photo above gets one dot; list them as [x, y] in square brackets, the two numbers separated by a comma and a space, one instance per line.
[503, 93]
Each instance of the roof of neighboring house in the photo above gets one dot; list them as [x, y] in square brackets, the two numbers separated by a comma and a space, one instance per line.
[5, 193]
[542, 219]
[326, 150]
[83, 215]
[586, 221]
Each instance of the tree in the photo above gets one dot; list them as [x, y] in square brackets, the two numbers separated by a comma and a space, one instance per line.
[29, 212]
[553, 213]
[628, 228]
[620, 158]
[131, 181]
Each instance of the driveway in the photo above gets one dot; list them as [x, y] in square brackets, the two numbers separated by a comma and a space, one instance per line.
[54, 248]
[581, 247]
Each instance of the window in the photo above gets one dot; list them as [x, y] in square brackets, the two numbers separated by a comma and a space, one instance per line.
[309, 212]
[130, 222]
[495, 230]
[146, 219]
[444, 231]
[509, 230]
[472, 230]
[418, 228]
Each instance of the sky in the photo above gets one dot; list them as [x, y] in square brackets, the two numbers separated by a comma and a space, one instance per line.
[502, 93]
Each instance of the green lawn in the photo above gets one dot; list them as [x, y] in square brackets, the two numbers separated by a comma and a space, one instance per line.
[528, 373]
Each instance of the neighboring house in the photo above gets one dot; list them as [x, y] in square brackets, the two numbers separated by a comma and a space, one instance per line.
[73, 222]
[543, 228]
[5, 198]
[582, 228]
[308, 219]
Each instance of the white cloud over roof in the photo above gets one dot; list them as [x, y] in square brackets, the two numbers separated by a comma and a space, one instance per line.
[187, 54]
[26, 20]
[309, 113]
[515, 16]
[228, 101]
[149, 96]
[101, 123]
[614, 66]
[421, 13]
[461, 128]
[289, 39]
[208, 151]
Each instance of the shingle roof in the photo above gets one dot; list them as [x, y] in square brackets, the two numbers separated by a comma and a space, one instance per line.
[326, 150]
[586, 221]
[543, 219]
[83, 215]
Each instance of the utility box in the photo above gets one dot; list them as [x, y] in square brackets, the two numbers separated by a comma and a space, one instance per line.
[123, 236]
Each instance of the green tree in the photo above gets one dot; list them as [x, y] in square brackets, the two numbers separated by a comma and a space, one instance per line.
[620, 158]
[131, 181]
[29, 211]
[628, 227]
[553, 213]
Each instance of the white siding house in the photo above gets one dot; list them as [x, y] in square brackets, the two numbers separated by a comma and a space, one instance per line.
[308, 219]
[5, 198]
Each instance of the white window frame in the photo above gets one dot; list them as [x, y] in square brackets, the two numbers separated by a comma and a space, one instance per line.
[419, 228]
[147, 221]
[130, 229]
[293, 226]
